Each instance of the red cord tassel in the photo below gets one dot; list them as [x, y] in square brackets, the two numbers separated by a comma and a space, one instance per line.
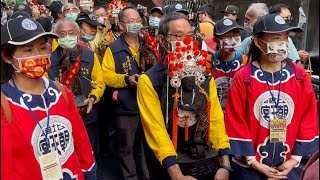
[186, 129]
[175, 127]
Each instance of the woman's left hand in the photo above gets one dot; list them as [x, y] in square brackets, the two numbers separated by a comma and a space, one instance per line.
[286, 167]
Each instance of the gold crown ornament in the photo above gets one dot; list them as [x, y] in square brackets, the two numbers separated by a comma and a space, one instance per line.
[187, 60]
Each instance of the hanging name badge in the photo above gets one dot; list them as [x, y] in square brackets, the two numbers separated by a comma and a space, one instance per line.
[277, 130]
[50, 166]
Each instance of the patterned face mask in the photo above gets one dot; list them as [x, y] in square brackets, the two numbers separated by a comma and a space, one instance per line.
[33, 67]
[276, 50]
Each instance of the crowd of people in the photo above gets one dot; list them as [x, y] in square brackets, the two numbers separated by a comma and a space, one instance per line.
[183, 94]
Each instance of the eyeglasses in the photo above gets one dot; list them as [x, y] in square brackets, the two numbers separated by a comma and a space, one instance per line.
[70, 10]
[133, 21]
[70, 33]
[181, 36]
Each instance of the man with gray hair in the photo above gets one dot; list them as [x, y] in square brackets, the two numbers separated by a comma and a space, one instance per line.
[70, 11]
[254, 12]
[79, 70]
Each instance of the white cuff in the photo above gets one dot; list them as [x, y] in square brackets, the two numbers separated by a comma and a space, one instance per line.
[297, 158]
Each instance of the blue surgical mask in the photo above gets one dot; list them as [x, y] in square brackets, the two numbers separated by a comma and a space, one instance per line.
[154, 22]
[88, 37]
[72, 16]
[134, 28]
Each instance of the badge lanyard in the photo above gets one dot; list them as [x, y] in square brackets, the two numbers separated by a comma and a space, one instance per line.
[231, 61]
[34, 116]
[272, 95]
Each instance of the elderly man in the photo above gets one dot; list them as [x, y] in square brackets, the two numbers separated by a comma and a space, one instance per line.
[254, 12]
[78, 69]
[190, 153]
[121, 69]
[70, 11]
[88, 28]
[284, 11]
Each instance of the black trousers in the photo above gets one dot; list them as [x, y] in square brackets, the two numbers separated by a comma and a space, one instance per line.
[129, 135]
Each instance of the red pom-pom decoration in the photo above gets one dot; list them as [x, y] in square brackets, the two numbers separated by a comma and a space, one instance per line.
[171, 54]
[180, 65]
[208, 71]
[178, 49]
[171, 74]
[171, 66]
[175, 68]
[204, 53]
[195, 48]
[204, 62]
[196, 52]
[188, 57]
[189, 47]
[179, 55]
[187, 40]
[178, 44]
[184, 49]
[195, 43]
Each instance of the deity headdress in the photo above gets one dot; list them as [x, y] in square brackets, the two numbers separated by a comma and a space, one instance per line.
[187, 60]
[114, 7]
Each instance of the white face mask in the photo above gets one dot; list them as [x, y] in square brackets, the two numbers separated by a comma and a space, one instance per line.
[233, 43]
[154, 22]
[276, 50]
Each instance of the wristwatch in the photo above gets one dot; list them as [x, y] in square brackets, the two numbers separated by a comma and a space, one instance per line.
[250, 161]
